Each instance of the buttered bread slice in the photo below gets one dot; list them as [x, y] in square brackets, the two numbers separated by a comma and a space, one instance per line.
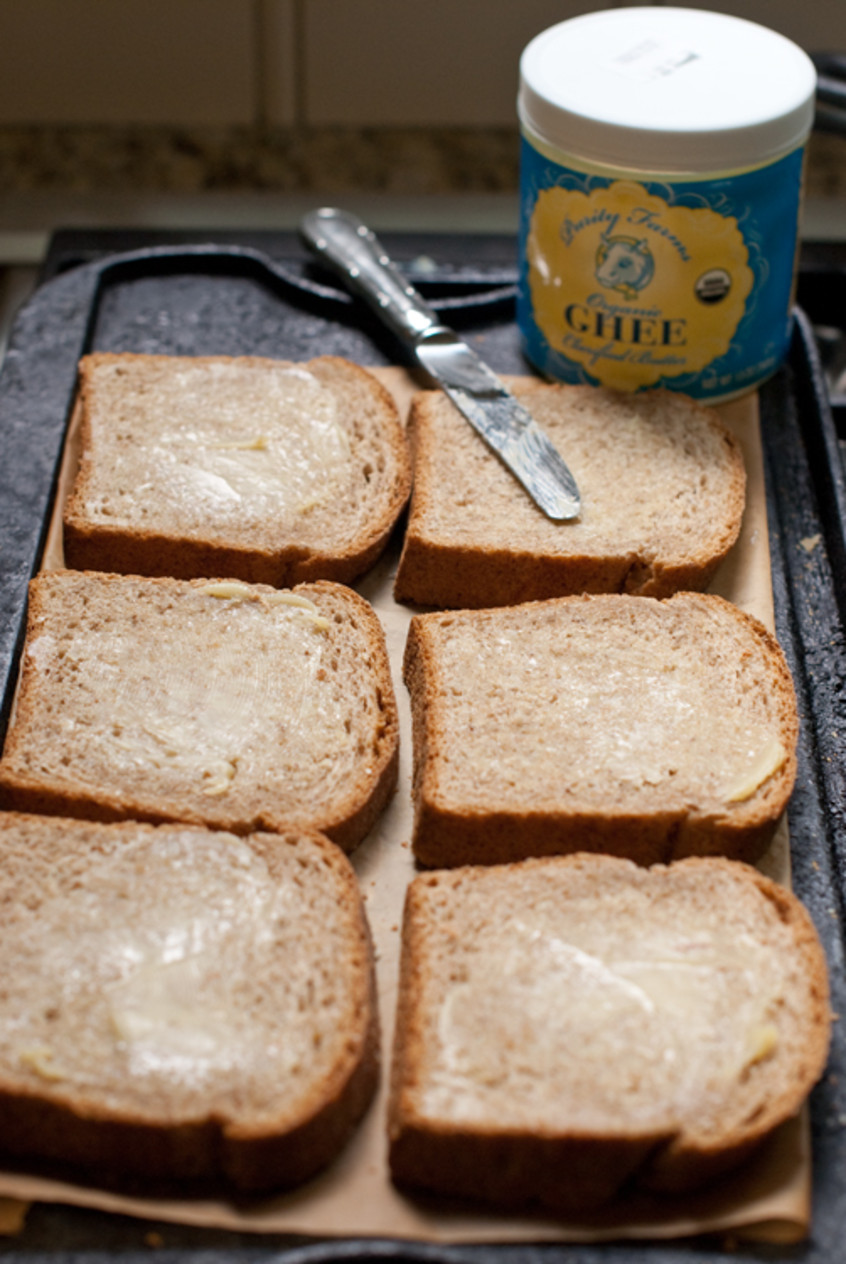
[179, 1003]
[227, 704]
[643, 728]
[662, 484]
[266, 470]
[569, 1025]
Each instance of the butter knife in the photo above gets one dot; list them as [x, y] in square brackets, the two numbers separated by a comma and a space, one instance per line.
[343, 241]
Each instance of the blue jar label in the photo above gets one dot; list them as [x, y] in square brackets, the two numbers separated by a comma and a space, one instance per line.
[635, 284]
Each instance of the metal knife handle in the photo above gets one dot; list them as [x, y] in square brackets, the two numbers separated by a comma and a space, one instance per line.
[343, 241]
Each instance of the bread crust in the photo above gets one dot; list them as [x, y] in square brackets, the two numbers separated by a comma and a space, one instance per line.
[445, 564]
[449, 832]
[270, 1144]
[572, 1171]
[26, 785]
[96, 544]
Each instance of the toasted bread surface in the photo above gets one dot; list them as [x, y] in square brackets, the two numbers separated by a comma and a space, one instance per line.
[268, 471]
[236, 706]
[662, 483]
[571, 1025]
[181, 1004]
[644, 728]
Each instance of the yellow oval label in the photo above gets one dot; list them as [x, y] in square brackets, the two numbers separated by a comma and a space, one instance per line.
[632, 288]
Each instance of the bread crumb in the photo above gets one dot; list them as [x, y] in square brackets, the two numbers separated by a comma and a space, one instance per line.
[809, 543]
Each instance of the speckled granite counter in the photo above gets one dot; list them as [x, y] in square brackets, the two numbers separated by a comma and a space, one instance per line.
[329, 160]
[332, 160]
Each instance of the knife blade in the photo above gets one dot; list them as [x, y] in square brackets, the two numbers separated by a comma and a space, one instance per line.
[353, 250]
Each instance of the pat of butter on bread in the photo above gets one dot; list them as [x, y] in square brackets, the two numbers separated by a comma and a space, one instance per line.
[232, 591]
[767, 763]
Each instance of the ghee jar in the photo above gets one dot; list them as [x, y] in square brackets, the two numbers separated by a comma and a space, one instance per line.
[660, 189]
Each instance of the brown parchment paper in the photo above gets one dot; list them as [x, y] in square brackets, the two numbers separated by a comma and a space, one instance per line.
[768, 1200]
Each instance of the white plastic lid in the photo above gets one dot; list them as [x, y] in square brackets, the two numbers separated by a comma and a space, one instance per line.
[667, 89]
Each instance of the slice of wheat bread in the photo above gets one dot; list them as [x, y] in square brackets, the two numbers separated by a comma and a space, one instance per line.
[179, 1003]
[662, 483]
[571, 1024]
[643, 728]
[237, 706]
[265, 470]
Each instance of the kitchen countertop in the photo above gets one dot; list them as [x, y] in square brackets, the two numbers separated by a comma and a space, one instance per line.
[443, 179]
[193, 160]
[397, 161]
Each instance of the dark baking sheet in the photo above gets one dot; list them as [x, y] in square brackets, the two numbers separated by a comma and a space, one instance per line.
[259, 293]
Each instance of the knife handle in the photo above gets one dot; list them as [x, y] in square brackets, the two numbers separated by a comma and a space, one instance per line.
[343, 241]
